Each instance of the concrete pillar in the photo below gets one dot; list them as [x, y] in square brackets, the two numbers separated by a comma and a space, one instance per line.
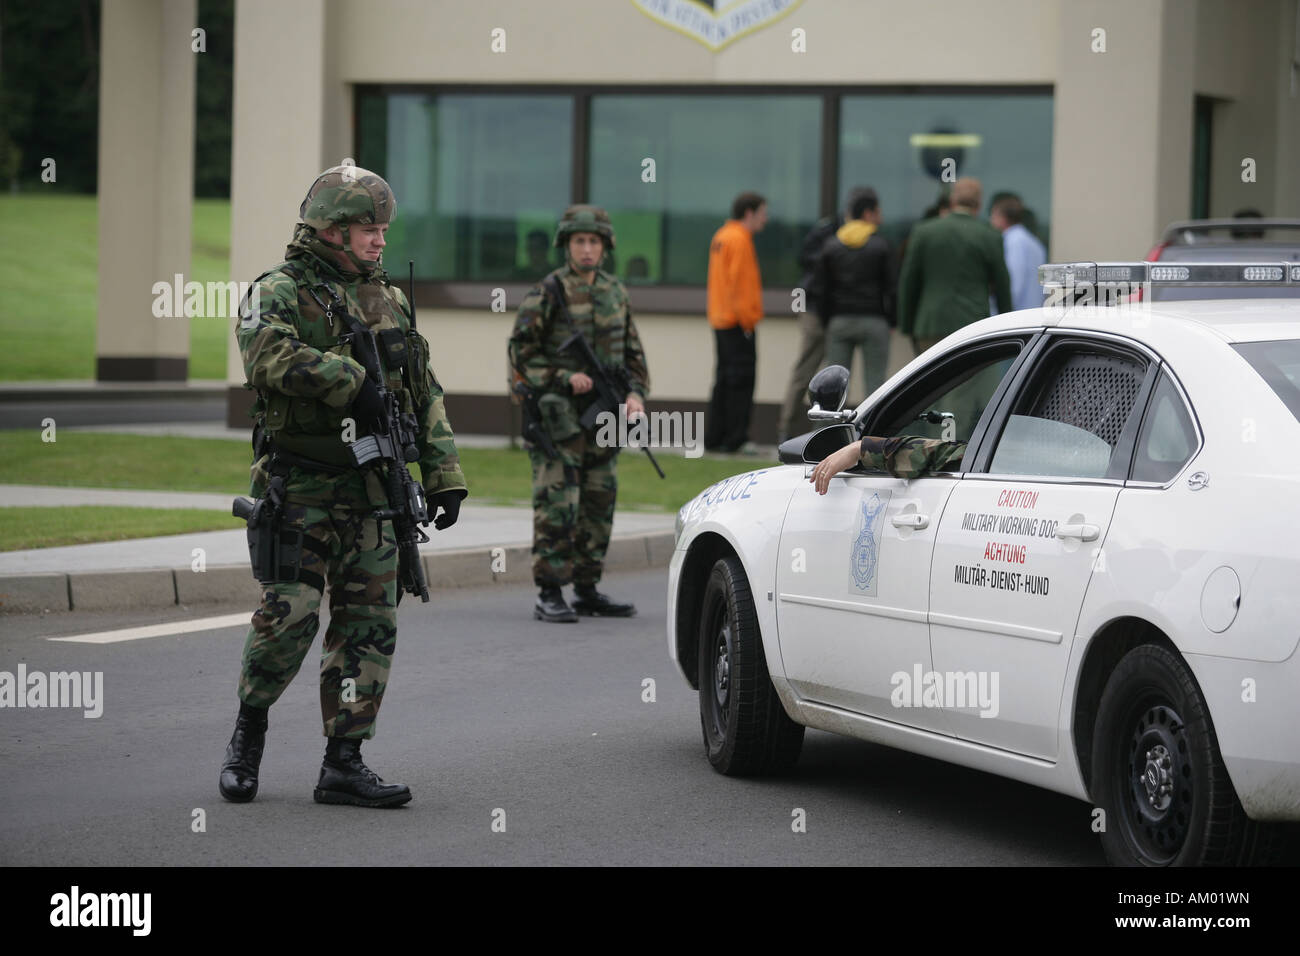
[277, 131]
[1121, 154]
[146, 185]
[1241, 67]
[1286, 191]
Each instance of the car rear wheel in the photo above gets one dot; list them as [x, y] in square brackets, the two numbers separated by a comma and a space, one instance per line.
[746, 730]
[1158, 774]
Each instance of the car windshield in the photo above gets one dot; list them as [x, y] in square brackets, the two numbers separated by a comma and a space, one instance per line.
[1278, 363]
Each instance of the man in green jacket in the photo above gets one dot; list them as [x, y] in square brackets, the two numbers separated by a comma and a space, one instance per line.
[953, 264]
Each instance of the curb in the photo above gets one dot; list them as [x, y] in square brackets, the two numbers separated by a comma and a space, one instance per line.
[164, 587]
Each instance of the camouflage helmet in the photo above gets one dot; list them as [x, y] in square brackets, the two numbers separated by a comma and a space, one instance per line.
[584, 218]
[348, 194]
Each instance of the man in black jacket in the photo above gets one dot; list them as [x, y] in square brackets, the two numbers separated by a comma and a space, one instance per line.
[812, 329]
[853, 282]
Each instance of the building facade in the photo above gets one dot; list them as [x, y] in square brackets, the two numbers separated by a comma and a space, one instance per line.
[1110, 118]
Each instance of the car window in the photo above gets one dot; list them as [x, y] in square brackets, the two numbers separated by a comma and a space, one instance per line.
[1040, 446]
[1278, 363]
[956, 392]
[1070, 420]
[1168, 436]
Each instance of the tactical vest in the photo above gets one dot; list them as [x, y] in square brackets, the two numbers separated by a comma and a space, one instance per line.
[600, 312]
[601, 315]
[308, 427]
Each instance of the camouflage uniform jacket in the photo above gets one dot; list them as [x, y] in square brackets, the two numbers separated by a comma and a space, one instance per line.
[601, 312]
[910, 456]
[306, 379]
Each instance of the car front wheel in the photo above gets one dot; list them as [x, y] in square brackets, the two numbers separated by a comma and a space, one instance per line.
[746, 730]
[1158, 774]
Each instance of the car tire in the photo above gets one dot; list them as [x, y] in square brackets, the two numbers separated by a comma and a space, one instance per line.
[1158, 774]
[746, 730]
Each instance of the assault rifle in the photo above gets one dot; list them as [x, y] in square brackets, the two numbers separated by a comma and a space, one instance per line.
[610, 382]
[393, 443]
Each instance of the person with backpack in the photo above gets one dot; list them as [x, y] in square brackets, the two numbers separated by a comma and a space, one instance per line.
[854, 280]
[812, 330]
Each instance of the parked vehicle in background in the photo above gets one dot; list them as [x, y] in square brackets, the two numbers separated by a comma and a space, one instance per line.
[1240, 239]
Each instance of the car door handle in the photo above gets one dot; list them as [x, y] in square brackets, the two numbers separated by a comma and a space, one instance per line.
[1083, 532]
[911, 520]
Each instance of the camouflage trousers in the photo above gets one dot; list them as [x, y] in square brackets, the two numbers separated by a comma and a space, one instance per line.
[343, 548]
[573, 510]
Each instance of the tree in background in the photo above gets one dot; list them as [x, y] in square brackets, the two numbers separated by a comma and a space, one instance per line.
[49, 94]
[213, 98]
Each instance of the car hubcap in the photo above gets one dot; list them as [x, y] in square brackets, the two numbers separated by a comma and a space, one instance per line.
[1157, 777]
[1160, 782]
[722, 669]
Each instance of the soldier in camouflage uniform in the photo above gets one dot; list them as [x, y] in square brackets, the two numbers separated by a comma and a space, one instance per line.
[312, 397]
[573, 494]
[905, 456]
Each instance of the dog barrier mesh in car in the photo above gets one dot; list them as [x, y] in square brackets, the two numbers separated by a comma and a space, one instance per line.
[1092, 392]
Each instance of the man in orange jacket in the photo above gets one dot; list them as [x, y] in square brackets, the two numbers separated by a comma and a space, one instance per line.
[735, 309]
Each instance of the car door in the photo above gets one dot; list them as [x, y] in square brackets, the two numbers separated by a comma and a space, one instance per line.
[853, 572]
[1022, 533]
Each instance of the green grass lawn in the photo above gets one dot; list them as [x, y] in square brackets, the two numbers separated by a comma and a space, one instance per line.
[22, 528]
[495, 475]
[48, 281]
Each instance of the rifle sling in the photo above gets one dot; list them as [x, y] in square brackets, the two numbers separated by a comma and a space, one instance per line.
[311, 464]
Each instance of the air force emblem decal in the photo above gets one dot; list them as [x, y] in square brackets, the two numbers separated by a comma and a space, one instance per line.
[715, 23]
[864, 557]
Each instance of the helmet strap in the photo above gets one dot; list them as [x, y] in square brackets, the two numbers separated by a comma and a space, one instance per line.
[318, 233]
[361, 264]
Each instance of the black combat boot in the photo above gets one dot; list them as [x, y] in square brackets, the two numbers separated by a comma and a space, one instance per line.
[550, 606]
[345, 779]
[244, 755]
[591, 603]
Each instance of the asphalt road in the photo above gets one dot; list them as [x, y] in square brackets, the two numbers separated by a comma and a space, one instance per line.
[487, 711]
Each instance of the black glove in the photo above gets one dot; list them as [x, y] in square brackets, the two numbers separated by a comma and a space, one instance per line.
[449, 501]
[368, 406]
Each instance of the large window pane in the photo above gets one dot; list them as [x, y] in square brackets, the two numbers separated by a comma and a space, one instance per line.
[706, 150]
[898, 143]
[480, 180]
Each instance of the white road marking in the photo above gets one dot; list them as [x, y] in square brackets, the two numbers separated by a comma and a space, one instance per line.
[158, 630]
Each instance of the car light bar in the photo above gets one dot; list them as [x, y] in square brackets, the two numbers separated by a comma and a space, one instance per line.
[1058, 275]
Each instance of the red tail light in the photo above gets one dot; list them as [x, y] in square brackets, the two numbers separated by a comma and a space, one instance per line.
[1153, 256]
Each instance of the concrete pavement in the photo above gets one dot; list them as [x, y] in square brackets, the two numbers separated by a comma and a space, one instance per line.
[28, 404]
[487, 545]
[61, 496]
[480, 527]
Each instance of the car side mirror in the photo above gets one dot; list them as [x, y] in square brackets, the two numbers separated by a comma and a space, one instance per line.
[827, 391]
[813, 447]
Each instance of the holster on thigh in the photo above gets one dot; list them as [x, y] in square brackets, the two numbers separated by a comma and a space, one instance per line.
[276, 550]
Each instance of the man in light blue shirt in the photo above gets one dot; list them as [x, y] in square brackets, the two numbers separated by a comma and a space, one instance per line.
[1022, 250]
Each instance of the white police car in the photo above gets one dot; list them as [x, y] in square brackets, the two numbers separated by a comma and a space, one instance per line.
[1103, 600]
